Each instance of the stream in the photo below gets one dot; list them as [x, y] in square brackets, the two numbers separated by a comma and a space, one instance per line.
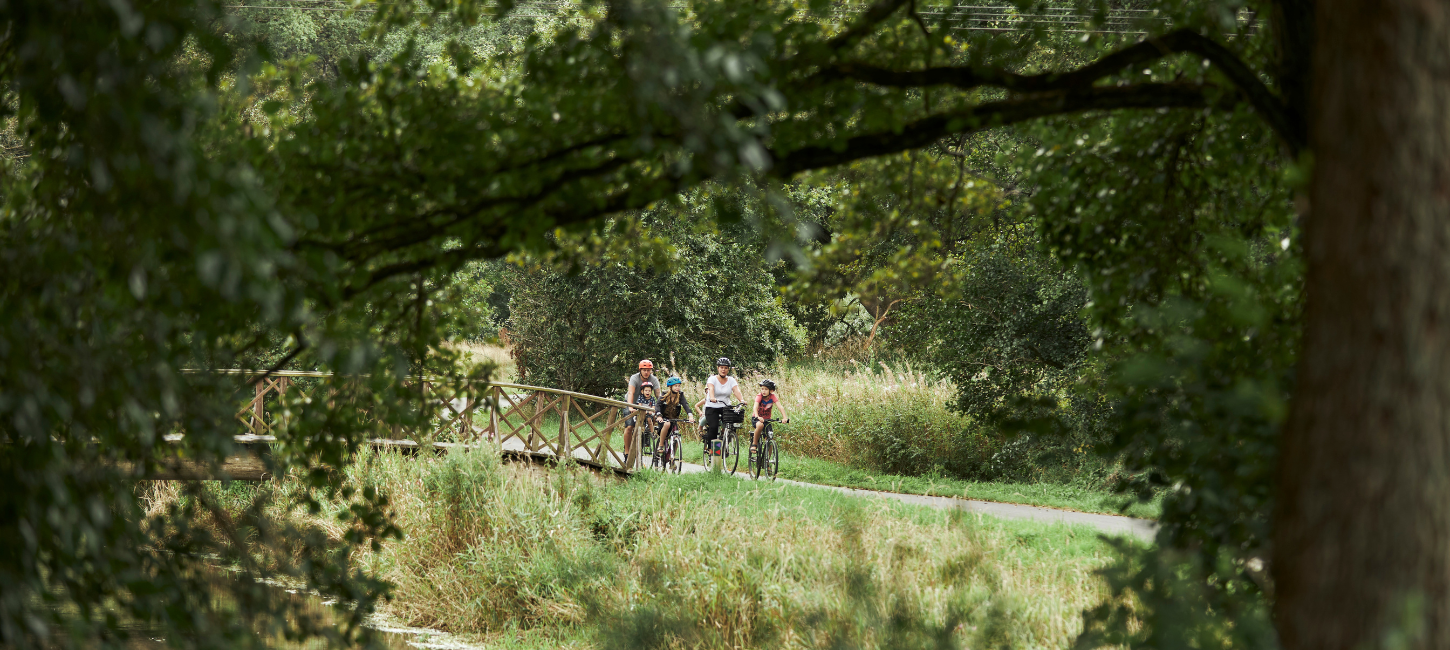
[394, 636]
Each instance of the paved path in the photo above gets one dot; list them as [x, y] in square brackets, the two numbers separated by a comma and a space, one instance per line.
[1111, 524]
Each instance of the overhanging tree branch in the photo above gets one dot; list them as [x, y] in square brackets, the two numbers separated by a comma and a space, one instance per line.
[492, 241]
[421, 228]
[1264, 101]
[1269, 106]
[927, 130]
[913, 135]
[1038, 96]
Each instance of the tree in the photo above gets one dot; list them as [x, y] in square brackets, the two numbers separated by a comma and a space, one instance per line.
[1013, 336]
[1360, 532]
[714, 297]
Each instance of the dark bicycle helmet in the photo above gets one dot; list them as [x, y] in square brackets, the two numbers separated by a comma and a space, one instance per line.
[768, 384]
[724, 361]
[673, 381]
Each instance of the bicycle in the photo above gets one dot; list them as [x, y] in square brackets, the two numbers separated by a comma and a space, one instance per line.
[767, 454]
[728, 453]
[647, 435]
[641, 418]
[669, 457]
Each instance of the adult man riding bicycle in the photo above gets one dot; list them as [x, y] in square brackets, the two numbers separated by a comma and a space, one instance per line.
[643, 377]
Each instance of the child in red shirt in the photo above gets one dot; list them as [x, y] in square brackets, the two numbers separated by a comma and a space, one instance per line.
[764, 402]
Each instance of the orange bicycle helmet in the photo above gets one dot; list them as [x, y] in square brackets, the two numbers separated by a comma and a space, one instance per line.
[646, 364]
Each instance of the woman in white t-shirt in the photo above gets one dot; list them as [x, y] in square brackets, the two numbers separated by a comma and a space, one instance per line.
[719, 388]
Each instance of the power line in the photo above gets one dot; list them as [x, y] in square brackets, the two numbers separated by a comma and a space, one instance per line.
[957, 18]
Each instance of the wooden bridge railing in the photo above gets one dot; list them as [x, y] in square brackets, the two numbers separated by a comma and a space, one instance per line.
[532, 420]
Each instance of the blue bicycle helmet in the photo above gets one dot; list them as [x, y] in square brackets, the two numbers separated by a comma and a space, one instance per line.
[673, 381]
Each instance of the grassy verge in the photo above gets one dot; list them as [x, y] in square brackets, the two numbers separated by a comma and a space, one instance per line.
[522, 557]
[1051, 495]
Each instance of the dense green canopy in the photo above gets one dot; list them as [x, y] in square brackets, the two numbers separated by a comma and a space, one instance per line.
[186, 196]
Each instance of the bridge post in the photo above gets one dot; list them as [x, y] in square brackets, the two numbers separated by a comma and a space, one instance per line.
[631, 453]
[493, 412]
[258, 412]
[565, 451]
[635, 445]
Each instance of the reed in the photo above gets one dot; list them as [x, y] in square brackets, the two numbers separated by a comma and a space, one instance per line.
[707, 561]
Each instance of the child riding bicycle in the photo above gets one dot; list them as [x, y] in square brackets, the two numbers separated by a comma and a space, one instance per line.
[764, 402]
[672, 406]
[646, 401]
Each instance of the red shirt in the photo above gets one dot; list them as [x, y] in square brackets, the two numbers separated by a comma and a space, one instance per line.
[767, 402]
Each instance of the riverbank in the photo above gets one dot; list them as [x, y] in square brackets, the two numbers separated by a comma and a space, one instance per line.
[525, 556]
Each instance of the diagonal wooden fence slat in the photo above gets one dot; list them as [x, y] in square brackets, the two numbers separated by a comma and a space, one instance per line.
[515, 408]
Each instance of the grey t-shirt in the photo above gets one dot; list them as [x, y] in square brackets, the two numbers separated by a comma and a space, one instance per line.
[636, 381]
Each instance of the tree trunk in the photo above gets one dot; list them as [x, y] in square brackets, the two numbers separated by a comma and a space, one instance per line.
[1362, 530]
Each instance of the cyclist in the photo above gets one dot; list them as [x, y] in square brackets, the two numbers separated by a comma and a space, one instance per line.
[719, 388]
[764, 402]
[644, 377]
[672, 406]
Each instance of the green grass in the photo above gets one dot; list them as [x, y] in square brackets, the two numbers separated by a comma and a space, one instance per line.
[1051, 495]
[521, 556]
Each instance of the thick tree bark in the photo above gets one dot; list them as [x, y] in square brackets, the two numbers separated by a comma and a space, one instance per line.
[1362, 531]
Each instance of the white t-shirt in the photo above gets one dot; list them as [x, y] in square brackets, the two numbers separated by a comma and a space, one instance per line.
[719, 393]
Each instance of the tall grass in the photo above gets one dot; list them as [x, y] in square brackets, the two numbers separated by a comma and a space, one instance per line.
[878, 416]
[527, 555]
[709, 561]
[474, 352]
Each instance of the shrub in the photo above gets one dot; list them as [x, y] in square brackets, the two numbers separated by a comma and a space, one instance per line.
[1013, 341]
[893, 420]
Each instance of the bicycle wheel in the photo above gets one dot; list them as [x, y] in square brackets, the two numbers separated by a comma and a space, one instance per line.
[731, 456]
[769, 457]
[673, 461]
[757, 464]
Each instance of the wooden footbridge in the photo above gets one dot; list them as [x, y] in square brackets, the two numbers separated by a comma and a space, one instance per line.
[520, 421]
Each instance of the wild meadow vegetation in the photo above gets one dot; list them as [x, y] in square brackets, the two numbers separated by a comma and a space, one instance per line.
[528, 556]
